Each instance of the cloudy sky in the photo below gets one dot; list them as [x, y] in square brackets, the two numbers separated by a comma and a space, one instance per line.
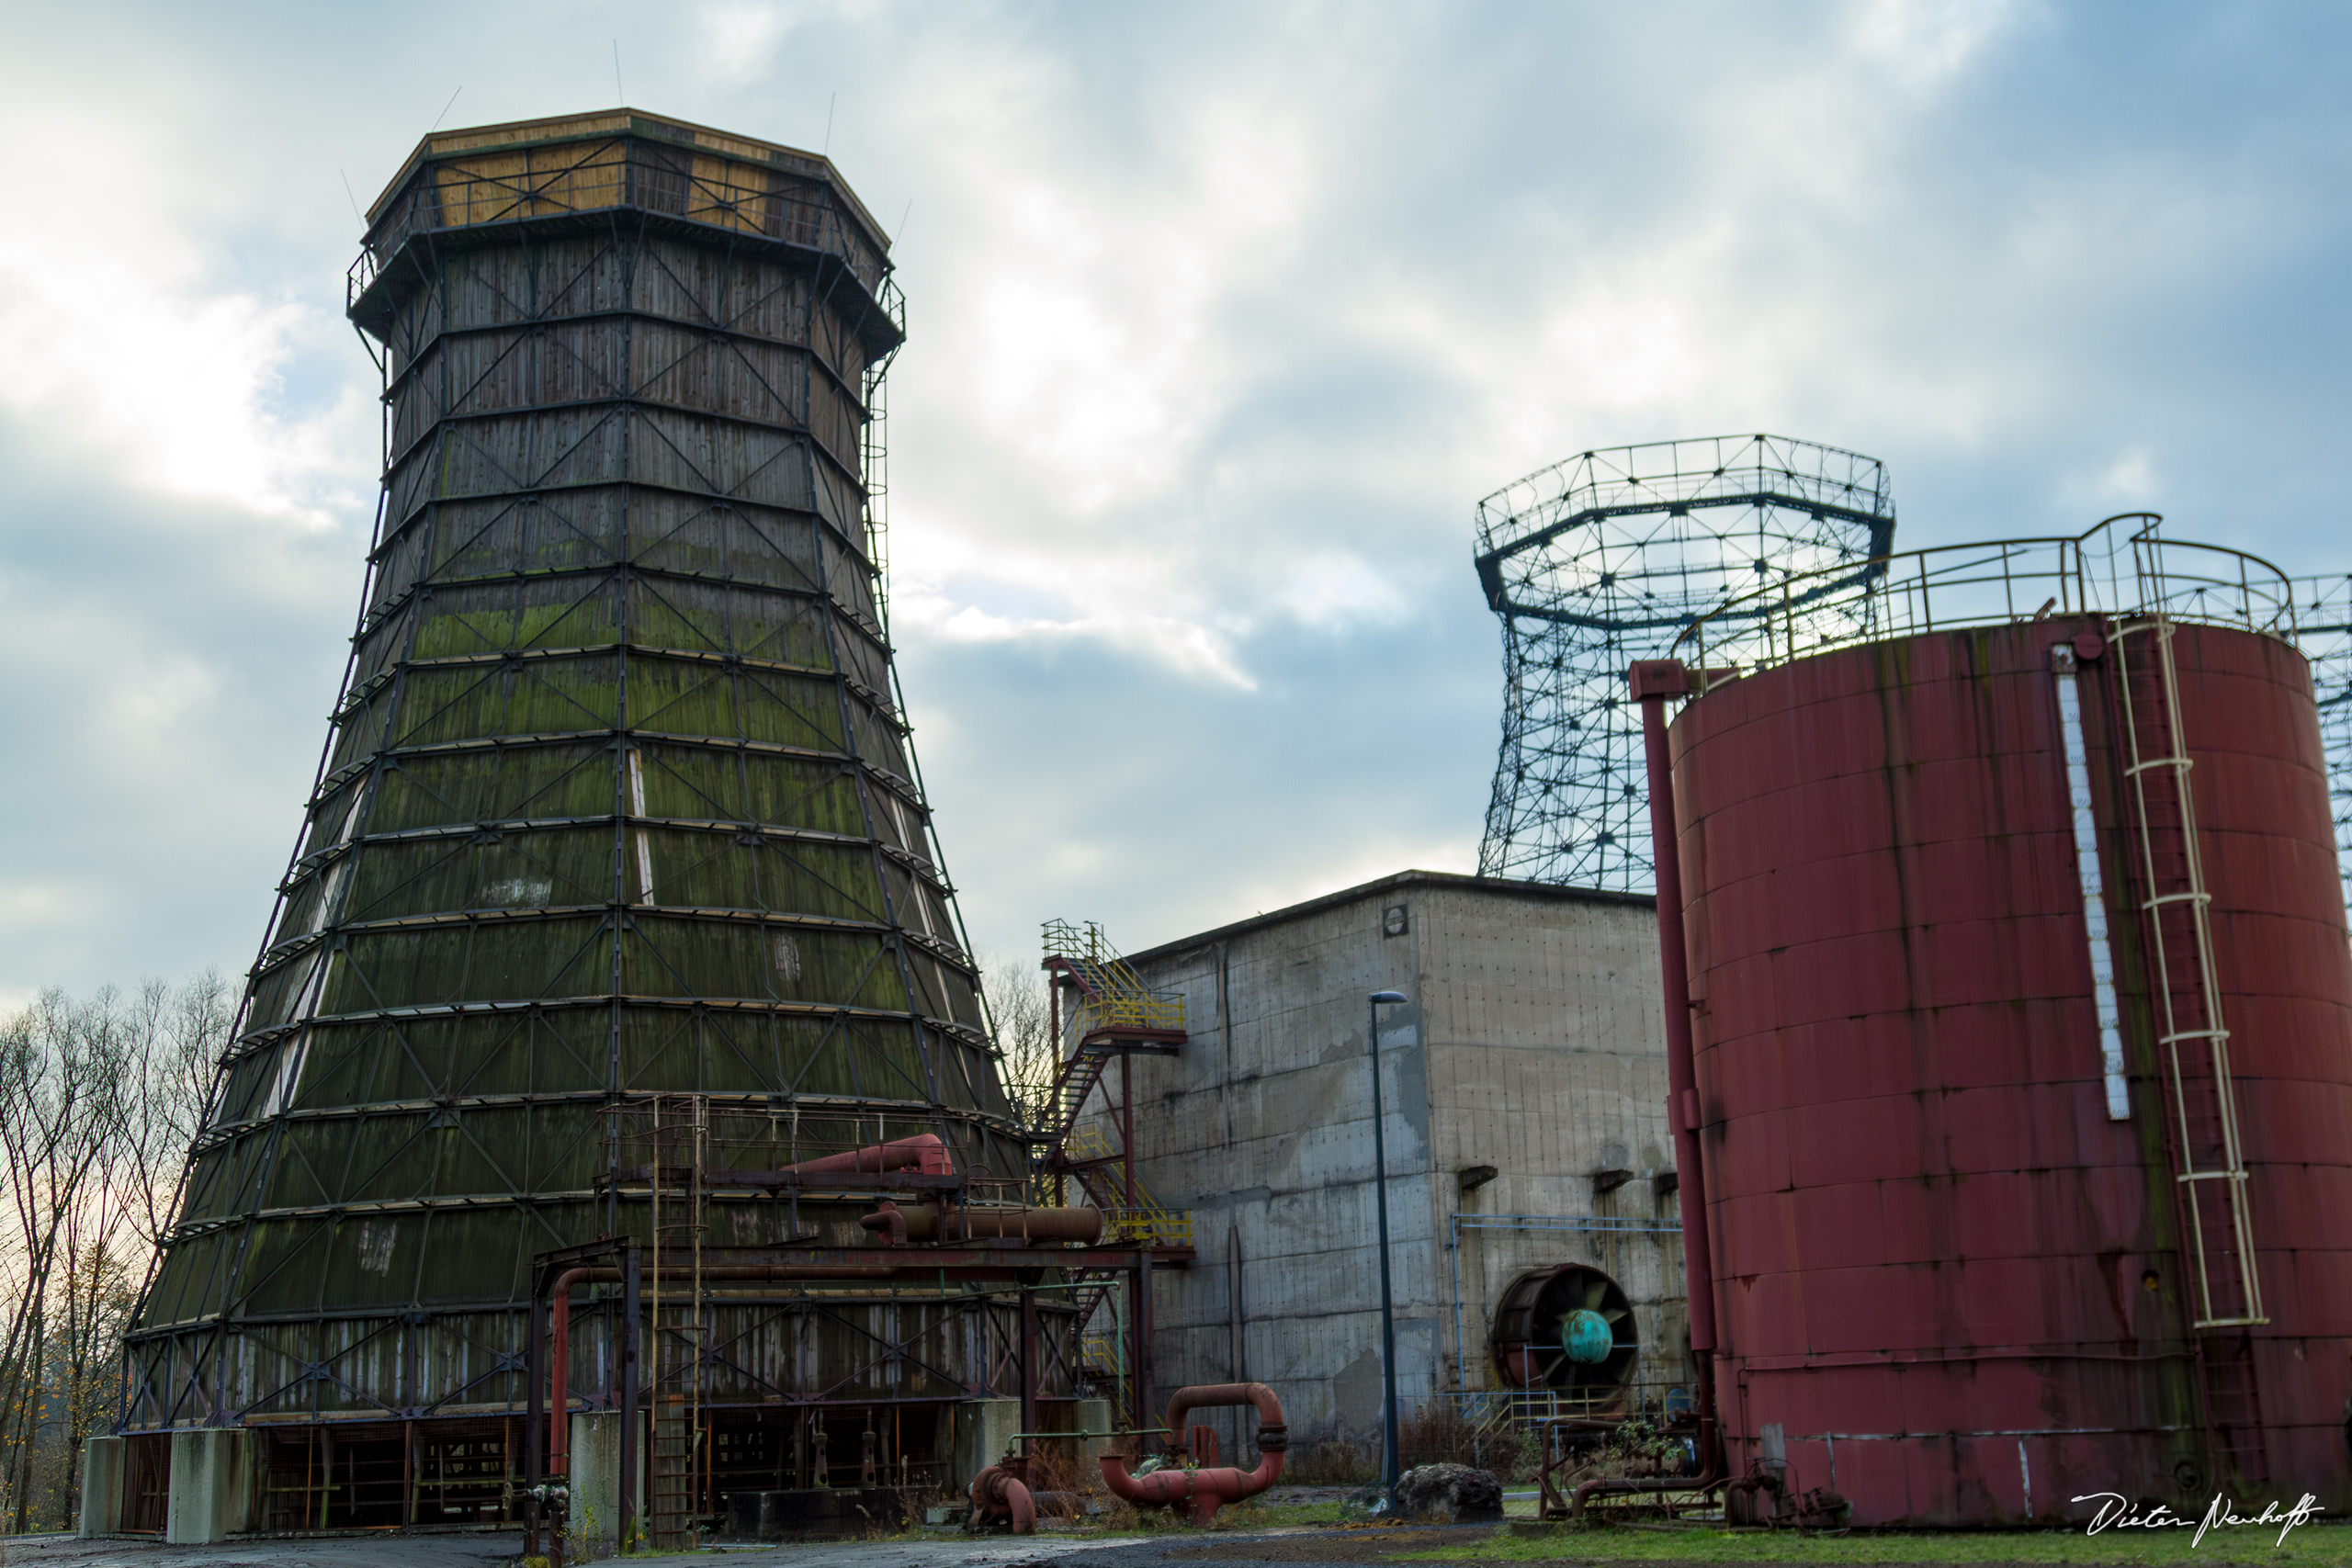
[1222, 318]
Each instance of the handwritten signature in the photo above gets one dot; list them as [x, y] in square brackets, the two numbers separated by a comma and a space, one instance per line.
[2118, 1512]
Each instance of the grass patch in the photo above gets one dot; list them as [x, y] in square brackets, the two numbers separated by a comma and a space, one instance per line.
[2312, 1544]
[1282, 1516]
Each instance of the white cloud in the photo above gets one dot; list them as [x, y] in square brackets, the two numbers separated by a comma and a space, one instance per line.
[1223, 317]
[2127, 479]
[1181, 647]
[1924, 41]
[121, 335]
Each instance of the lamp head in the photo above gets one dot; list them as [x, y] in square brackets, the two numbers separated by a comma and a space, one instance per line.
[1380, 996]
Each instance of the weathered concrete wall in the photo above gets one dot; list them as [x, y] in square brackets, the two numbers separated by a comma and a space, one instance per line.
[1532, 1042]
[984, 1429]
[595, 1451]
[103, 1460]
[1549, 1064]
[212, 1486]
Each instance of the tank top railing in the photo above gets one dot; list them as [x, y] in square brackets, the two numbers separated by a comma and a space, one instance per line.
[2111, 570]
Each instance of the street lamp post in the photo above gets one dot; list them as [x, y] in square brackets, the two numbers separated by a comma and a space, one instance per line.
[1389, 1455]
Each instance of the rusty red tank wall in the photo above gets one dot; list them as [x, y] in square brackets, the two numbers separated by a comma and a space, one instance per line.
[1931, 1245]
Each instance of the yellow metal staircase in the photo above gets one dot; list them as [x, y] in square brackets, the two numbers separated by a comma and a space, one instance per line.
[1112, 999]
[1112, 1013]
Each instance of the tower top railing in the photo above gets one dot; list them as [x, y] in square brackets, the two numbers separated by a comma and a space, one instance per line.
[1663, 475]
[2113, 568]
[594, 164]
[1605, 559]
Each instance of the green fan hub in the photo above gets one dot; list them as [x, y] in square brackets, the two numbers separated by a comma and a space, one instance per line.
[1585, 1335]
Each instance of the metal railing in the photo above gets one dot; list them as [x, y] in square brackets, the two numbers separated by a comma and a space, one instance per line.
[485, 187]
[1150, 1227]
[1088, 1142]
[1113, 995]
[2106, 571]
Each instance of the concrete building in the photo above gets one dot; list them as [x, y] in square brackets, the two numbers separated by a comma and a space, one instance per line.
[1524, 1088]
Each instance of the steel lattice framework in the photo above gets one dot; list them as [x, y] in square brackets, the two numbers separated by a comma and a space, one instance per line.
[618, 801]
[1605, 559]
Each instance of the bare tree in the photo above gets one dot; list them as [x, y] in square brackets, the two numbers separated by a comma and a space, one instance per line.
[1029, 1056]
[182, 1056]
[100, 1101]
[63, 1063]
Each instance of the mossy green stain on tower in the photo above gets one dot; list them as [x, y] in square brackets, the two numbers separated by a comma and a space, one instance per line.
[617, 800]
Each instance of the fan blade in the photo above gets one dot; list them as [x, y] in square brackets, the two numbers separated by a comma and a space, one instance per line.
[1594, 1290]
[1614, 1314]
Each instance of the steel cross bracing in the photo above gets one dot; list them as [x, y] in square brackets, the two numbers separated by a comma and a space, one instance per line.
[618, 799]
[1606, 558]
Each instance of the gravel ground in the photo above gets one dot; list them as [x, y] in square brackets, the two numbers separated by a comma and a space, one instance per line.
[943, 1546]
[316, 1551]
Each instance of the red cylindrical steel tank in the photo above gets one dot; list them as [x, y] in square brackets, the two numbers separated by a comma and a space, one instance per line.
[1958, 1288]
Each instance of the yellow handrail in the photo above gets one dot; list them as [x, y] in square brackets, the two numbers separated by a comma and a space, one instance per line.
[1116, 997]
[1152, 1227]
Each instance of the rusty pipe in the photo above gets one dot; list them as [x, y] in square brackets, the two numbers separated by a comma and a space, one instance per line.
[1651, 682]
[930, 1222]
[999, 1492]
[924, 1152]
[1203, 1492]
[1200, 1492]
[1625, 1486]
[558, 1379]
[1273, 1432]
[754, 1272]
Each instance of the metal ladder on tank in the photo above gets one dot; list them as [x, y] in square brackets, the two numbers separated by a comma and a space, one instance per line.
[2193, 1041]
[680, 1132]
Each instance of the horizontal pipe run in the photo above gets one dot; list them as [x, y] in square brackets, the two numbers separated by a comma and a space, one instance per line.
[925, 1154]
[929, 1221]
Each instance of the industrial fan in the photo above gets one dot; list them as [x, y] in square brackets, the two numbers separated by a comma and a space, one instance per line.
[1570, 1329]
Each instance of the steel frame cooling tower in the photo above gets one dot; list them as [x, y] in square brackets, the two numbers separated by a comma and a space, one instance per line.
[617, 820]
[1607, 558]
[2015, 1057]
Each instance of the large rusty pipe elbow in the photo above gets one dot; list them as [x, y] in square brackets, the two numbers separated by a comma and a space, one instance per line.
[997, 1494]
[1274, 1431]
